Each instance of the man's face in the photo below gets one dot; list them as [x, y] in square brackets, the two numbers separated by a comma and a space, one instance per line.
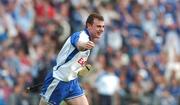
[96, 29]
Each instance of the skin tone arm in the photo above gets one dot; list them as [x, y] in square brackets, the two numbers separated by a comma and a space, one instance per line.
[85, 45]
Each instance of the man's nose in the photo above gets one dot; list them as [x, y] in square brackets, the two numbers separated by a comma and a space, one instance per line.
[101, 29]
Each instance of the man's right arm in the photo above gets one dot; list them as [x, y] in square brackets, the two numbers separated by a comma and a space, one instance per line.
[82, 46]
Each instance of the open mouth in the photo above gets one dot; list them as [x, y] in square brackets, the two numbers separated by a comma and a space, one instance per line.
[98, 33]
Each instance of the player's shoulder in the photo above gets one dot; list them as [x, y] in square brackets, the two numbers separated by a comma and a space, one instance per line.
[82, 35]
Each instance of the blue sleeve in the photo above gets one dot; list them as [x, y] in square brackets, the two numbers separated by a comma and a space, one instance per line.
[75, 38]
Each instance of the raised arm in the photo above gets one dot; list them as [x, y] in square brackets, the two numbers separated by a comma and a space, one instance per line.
[85, 45]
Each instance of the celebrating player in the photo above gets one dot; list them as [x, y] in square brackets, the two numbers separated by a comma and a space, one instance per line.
[62, 83]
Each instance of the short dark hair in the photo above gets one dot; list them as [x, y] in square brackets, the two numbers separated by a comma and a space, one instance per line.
[93, 16]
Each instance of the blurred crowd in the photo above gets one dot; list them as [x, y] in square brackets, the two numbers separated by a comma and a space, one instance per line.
[137, 60]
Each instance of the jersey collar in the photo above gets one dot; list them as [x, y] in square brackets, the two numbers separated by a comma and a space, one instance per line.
[87, 32]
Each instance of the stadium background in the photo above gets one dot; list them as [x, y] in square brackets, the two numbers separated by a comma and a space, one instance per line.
[137, 60]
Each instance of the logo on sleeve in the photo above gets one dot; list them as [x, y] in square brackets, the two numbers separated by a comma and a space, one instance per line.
[82, 61]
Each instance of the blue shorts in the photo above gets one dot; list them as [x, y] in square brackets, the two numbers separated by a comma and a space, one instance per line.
[54, 91]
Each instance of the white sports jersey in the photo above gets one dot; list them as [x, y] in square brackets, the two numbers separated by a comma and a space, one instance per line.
[70, 60]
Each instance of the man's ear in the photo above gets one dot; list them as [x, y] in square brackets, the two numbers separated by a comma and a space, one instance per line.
[89, 25]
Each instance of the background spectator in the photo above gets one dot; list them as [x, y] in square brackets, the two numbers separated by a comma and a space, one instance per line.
[139, 49]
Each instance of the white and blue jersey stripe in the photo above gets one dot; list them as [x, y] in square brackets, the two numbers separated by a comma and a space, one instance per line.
[70, 60]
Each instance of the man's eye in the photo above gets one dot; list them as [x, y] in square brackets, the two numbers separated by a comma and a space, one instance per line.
[100, 26]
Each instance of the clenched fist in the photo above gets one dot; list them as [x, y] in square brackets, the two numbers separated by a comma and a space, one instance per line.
[86, 45]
